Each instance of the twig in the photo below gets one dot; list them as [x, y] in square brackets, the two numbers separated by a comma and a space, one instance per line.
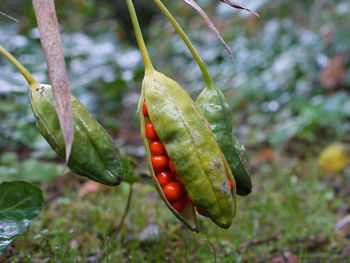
[9, 17]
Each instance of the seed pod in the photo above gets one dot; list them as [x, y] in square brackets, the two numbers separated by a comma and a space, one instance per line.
[212, 104]
[94, 154]
[191, 148]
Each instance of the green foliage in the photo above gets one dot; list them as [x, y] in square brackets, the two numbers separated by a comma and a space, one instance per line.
[32, 170]
[20, 202]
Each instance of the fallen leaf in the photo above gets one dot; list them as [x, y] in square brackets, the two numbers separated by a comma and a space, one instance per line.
[333, 158]
[334, 73]
[267, 154]
[89, 188]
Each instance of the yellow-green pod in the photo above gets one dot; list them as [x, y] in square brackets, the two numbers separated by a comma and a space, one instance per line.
[191, 147]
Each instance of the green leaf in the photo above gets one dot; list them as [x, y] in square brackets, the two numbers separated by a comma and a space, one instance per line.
[20, 202]
[39, 171]
[31, 170]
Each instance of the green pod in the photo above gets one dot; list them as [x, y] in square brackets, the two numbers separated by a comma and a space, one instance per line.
[93, 154]
[212, 104]
[192, 148]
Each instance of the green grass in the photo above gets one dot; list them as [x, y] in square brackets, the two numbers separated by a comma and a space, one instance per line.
[292, 211]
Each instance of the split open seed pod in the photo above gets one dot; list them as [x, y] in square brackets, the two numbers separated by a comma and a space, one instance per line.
[191, 147]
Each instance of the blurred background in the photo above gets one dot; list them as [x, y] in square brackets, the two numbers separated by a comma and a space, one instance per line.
[289, 92]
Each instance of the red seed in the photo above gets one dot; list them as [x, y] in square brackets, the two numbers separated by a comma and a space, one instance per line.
[164, 178]
[157, 148]
[144, 110]
[159, 163]
[173, 191]
[231, 184]
[201, 211]
[181, 204]
[151, 133]
[172, 167]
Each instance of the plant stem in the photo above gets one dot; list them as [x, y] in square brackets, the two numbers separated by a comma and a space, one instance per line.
[139, 37]
[117, 229]
[207, 78]
[30, 79]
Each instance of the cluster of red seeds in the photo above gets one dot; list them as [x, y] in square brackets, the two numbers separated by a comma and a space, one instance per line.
[164, 169]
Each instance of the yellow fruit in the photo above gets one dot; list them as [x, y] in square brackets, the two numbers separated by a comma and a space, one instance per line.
[333, 158]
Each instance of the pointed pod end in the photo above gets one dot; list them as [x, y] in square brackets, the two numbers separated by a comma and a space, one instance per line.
[113, 179]
[223, 222]
[244, 191]
[244, 185]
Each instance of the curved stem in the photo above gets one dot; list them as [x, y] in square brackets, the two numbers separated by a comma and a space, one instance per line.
[9, 17]
[139, 37]
[207, 78]
[205, 236]
[30, 79]
[212, 247]
[117, 229]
